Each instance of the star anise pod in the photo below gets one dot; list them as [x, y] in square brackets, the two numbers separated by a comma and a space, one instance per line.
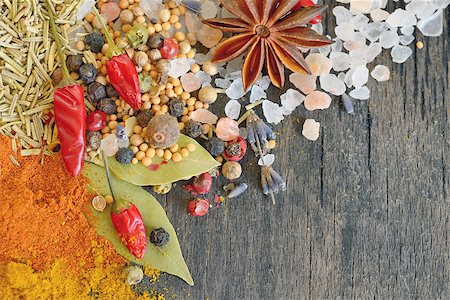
[272, 31]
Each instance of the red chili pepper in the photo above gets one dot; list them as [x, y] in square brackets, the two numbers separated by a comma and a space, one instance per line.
[96, 120]
[70, 113]
[122, 73]
[308, 3]
[243, 148]
[131, 230]
[198, 207]
[170, 49]
[202, 184]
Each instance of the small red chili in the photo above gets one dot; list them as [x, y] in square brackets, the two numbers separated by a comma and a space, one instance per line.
[308, 3]
[170, 49]
[96, 120]
[201, 185]
[121, 71]
[235, 149]
[70, 112]
[198, 207]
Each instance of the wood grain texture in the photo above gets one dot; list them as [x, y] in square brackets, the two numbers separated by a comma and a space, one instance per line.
[366, 213]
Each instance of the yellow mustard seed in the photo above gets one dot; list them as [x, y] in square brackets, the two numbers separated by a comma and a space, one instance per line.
[419, 45]
[167, 154]
[190, 147]
[143, 147]
[146, 161]
[159, 152]
[176, 157]
[184, 152]
[272, 144]
[134, 148]
[134, 161]
[140, 155]
[109, 199]
[219, 159]
[174, 148]
[150, 152]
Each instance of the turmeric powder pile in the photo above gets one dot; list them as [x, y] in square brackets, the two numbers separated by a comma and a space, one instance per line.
[48, 249]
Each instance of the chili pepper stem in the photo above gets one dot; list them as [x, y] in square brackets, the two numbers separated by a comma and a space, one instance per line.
[67, 79]
[113, 49]
[119, 204]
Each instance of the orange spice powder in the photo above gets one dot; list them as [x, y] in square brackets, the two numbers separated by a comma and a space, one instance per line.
[42, 214]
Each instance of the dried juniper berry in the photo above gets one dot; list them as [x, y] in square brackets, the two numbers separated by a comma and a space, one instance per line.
[93, 139]
[95, 41]
[215, 146]
[96, 91]
[74, 62]
[110, 91]
[88, 73]
[159, 237]
[193, 129]
[124, 155]
[107, 105]
[176, 107]
[143, 117]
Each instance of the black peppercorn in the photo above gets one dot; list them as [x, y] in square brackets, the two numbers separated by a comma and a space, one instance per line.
[124, 155]
[156, 41]
[96, 91]
[107, 105]
[93, 139]
[193, 129]
[74, 62]
[159, 237]
[88, 73]
[143, 117]
[95, 42]
[215, 146]
[176, 107]
[111, 91]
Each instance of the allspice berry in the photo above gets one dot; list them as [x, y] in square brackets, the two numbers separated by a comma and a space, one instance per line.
[231, 170]
[163, 131]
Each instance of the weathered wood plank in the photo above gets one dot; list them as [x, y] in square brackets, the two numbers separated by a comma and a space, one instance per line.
[366, 213]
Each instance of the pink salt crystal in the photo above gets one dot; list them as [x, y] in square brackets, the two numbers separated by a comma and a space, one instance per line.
[319, 64]
[203, 116]
[304, 82]
[209, 36]
[317, 100]
[111, 11]
[190, 82]
[227, 129]
[311, 129]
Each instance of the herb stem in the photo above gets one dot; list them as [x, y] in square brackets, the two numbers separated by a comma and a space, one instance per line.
[113, 49]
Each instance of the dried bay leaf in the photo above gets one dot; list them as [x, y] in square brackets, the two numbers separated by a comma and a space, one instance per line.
[167, 258]
[198, 161]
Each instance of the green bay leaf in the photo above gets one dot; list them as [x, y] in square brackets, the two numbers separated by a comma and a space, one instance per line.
[167, 258]
[198, 161]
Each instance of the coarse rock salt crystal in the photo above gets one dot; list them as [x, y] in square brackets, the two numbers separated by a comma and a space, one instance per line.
[362, 93]
[233, 76]
[110, 11]
[190, 82]
[360, 76]
[266, 160]
[317, 100]
[344, 31]
[235, 65]
[151, 8]
[200, 58]
[342, 14]
[331, 84]
[222, 83]
[272, 112]
[348, 78]
[389, 39]
[405, 40]
[365, 6]
[433, 25]
[317, 28]
[400, 53]
[354, 45]
[381, 73]
[311, 129]
[192, 22]
[372, 31]
[227, 129]
[379, 15]
[209, 36]
[401, 18]
[257, 93]
[358, 57]
[209, 10]
[85, 8]
[236, 89]
[233, 109]
[407, 30]
[263, 82]
[291, 99]
[205, 79]
[319, 64]
[304, 82]
[203, 116]
[428, 11]
[373, 51]
[359, 21]
[224, 13]
[337, 45]
[110, 145]
[179, 66]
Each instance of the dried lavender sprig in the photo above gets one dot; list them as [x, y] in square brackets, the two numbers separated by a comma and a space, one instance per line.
[238, 190]
[258, 130]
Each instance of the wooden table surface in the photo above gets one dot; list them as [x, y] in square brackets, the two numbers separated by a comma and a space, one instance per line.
[366, 211]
